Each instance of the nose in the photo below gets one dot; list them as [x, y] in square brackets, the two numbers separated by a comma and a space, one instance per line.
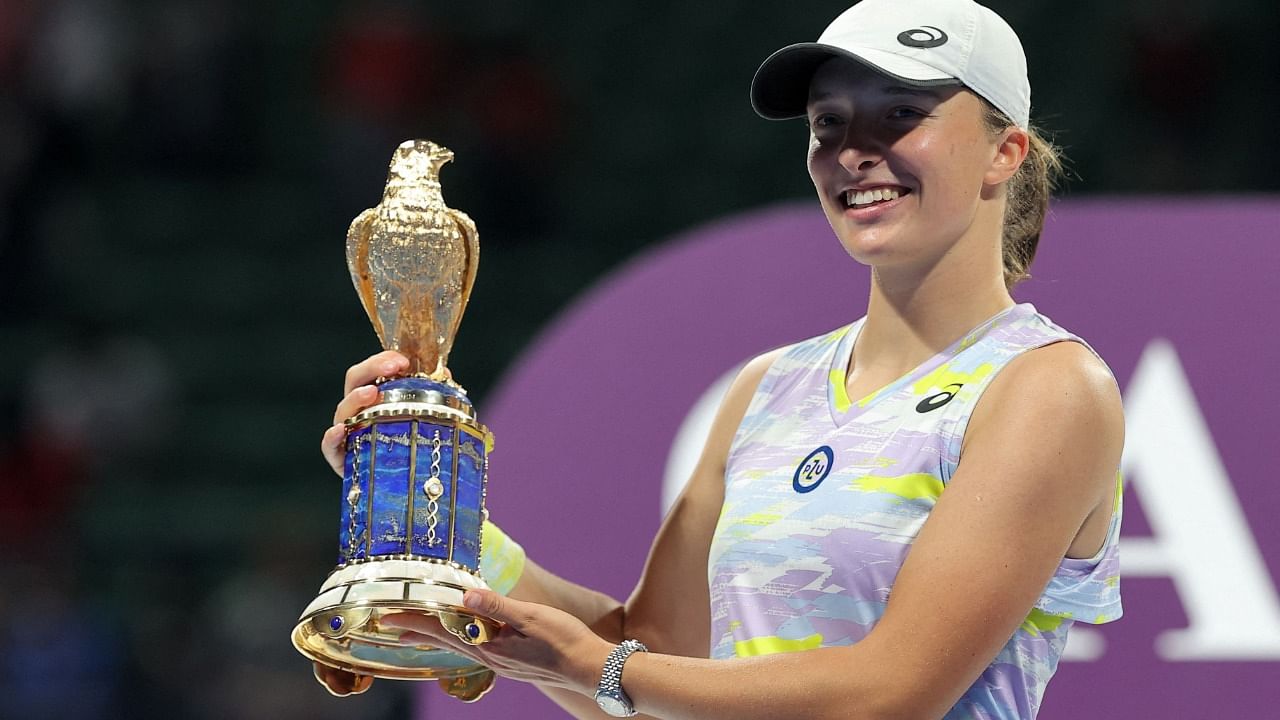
[861, 150]
[859, 157]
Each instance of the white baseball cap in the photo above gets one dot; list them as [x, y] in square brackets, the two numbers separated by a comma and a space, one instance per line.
[919, 42]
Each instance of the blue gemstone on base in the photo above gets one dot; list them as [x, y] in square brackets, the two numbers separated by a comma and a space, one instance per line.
[473, 630]
[336, 623]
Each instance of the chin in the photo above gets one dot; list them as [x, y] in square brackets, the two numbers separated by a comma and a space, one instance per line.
[870, 247]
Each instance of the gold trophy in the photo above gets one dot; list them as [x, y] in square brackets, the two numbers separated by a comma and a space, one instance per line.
[413, 488]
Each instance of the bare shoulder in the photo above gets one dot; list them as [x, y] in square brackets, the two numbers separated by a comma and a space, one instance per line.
[1064, 380]
[1060, 398]
[1068, 362]
[753, 372]
[734, 406]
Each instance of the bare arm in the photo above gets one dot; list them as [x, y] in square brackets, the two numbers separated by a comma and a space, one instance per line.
[1040, 458]
[676, 566]
[677, 563]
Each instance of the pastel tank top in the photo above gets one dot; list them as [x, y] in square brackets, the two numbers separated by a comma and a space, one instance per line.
[824, 496]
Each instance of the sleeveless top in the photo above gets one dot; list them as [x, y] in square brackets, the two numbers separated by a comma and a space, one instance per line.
[824, 496]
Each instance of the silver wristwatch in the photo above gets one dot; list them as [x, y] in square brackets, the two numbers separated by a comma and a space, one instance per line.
[609, 694]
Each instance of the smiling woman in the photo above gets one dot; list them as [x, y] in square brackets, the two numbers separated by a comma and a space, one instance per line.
[903, 517]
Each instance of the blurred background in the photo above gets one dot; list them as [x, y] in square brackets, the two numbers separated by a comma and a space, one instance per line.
[176, 180]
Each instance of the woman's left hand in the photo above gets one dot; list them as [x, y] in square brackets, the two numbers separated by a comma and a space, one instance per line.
[537, 643]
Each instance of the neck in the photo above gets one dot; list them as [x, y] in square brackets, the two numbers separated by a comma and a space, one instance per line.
[915, 312]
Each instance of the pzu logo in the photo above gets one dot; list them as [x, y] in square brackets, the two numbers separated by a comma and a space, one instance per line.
[813, 470]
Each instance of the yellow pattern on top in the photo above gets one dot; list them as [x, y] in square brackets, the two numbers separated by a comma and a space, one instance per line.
[838, 380]
[1040, 621]
[761, 518]
[912, 486]
[772, 644]
[835, 336]
[943, 376]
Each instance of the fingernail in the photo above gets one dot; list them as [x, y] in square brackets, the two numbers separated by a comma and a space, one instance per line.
[471, 600]
[390, 367]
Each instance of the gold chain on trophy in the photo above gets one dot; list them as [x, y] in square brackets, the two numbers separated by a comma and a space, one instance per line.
[353, 495]
[434, 489]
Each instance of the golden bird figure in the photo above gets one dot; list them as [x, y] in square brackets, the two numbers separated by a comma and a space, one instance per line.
[413, 260]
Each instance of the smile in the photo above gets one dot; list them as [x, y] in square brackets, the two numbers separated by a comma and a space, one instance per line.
[859, 199]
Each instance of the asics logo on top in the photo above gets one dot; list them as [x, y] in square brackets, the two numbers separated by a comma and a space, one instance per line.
[925, 36]
[933, 402]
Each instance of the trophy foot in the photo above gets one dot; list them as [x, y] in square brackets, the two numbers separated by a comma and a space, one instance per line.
[343, 629]
[340, 683]
[470, 688]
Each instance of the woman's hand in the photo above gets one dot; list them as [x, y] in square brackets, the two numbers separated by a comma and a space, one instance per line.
[537, 643]
[358, 393]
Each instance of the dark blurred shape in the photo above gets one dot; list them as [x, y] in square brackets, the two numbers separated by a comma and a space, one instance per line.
[1176, 62]
[196, 85]
[62, 654]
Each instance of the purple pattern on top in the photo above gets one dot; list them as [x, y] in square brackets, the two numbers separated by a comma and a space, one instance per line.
[790, 571]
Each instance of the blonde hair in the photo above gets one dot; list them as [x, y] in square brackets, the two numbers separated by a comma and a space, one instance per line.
[1027, 197]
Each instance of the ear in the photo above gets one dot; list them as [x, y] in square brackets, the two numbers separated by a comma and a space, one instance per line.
[1012, 147]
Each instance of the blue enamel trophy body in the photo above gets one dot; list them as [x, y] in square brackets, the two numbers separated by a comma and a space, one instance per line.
[413, 488]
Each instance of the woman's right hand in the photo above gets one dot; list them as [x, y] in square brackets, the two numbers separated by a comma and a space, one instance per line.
[358, 393]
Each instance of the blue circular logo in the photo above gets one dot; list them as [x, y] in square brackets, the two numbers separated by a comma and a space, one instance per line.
[813, 470]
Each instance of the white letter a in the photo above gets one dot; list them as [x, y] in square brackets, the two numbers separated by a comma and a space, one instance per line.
[1200, 538]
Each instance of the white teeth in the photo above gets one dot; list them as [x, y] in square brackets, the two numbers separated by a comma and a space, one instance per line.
[856, 198]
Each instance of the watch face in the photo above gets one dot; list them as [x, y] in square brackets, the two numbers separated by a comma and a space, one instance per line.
[613, 706]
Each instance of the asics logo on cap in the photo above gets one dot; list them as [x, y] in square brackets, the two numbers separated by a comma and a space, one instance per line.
[925, 36]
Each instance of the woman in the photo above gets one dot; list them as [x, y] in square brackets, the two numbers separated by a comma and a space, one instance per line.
[843, 581]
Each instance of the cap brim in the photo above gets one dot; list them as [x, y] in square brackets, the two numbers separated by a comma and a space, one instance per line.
[780, 88]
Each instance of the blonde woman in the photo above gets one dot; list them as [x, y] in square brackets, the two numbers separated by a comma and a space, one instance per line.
[901, 518]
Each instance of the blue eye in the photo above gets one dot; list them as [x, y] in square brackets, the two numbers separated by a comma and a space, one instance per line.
[906, 113]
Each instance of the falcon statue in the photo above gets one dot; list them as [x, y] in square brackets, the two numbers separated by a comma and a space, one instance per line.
[413, 261]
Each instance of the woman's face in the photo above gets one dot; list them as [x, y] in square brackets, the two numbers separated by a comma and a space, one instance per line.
[900, 170]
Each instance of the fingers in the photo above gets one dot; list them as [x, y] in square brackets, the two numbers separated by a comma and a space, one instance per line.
[417, 622]
[355, 401]
[420, 631]
[358, 393]
[332, 443]
[493, 605]
[384, 364]
[488, 655]
[333, 447]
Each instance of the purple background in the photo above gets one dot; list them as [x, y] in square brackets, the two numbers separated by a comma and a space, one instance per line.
[585, 419]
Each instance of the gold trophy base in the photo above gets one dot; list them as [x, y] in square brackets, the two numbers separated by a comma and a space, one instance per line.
[343, 627]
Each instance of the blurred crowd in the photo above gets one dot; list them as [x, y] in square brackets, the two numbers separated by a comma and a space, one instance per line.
[145, 149]
[176, 177]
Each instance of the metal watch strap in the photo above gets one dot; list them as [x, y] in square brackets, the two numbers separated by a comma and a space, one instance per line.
[609, 694]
